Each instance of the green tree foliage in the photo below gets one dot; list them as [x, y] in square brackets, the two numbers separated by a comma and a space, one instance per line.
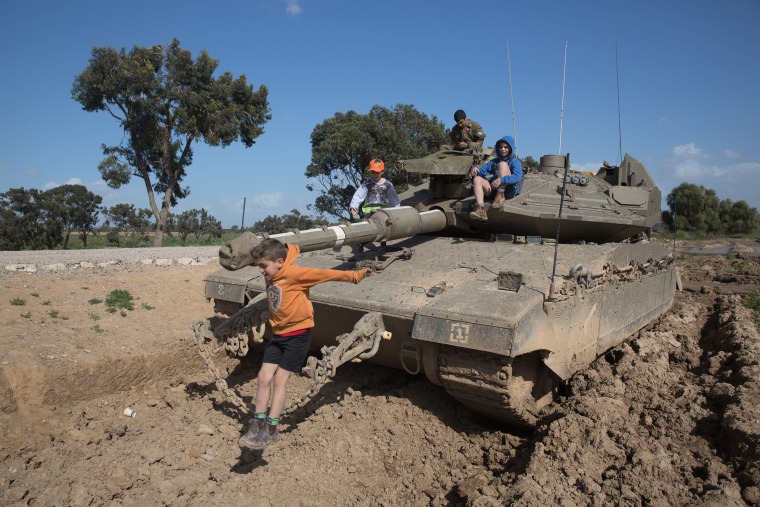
[199, 223]
[188, 222]
[26, 223]
[210, 226]
[125, 220]
[342, 146]
[75, 208]
[697, 208]
[738, 217]
[164, 100]
[530, 165]
[294, 220]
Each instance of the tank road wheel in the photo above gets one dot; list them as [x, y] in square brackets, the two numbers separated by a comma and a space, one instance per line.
[510, 390]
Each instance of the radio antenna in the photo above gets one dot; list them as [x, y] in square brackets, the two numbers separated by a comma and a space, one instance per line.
[511, 96]
[620, 131]
[562, 111]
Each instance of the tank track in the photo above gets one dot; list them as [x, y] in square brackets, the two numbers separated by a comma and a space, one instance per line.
[510, 390]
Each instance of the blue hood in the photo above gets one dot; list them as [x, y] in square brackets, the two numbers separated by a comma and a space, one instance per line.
[511, 142]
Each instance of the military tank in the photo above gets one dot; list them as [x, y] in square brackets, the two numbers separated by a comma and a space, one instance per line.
[499, 312]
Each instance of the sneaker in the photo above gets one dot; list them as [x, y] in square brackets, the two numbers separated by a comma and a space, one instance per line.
[268, 435]
[479, 213]
[499, 199]
[249, 438]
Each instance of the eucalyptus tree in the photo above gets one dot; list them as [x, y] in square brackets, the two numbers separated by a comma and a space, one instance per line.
[76, 208]
[25, 222]
[342, 146]
[165, 101]
[126, 219]
[273, 224]
[693, 207]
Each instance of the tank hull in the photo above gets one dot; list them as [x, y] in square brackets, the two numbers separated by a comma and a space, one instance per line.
[499, 351]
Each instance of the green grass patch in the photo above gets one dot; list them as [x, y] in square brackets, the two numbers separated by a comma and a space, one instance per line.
[97, 328]
[147, 306]
[53, 314]
[18, 302]
[120, 298]
[94, 301]
[752, 301]
[94, 316]
[46, 303]
[35, 295]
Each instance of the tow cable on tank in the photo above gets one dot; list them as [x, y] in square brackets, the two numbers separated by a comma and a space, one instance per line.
[361, 343]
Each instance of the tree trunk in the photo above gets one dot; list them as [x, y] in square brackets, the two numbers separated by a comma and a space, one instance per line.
[161, 221]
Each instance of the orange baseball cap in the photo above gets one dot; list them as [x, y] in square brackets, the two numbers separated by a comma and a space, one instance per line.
[376, 165]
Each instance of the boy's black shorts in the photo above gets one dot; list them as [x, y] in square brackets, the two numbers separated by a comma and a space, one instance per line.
[288, 352]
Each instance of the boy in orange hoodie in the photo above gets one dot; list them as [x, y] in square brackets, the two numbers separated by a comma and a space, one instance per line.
[291, 316]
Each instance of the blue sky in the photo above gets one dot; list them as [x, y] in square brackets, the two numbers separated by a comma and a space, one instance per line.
[686, 73]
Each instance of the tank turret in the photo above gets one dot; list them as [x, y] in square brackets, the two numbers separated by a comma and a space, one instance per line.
[615, 204]
[496, 312]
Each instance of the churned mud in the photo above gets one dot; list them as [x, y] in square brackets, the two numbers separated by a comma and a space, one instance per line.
[670, 417]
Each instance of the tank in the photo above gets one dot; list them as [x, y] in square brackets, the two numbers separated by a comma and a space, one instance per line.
[499, 312]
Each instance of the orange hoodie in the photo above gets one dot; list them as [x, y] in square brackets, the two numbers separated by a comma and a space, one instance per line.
[288, 293]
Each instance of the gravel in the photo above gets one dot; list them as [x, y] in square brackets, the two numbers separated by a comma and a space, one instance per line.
[11, 260]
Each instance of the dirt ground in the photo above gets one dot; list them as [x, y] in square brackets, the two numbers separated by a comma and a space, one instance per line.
[670, 417]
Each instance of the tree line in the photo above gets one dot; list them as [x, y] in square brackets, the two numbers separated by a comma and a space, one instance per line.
[166, 102]
[694, 208]
[31, 219]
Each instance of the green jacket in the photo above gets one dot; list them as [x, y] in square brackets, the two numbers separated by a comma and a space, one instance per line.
[470, 135]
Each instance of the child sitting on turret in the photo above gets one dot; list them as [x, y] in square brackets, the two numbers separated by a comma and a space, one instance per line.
[501, 174]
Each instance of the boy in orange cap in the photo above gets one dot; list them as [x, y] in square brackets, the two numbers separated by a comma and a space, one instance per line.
[375, 192]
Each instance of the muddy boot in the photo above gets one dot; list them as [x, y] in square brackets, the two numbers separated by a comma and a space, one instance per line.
[479, 213]
[268, 435]
[499, 199]
[248, 440]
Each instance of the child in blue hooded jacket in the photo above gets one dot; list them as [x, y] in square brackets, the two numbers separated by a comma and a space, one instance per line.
[501, 174]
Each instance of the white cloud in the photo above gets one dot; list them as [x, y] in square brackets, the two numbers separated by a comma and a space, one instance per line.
[293, 7]
[688, 164]
[663, 121]
[730, 181]
[686, 150]
[728, 153]
[691, 169]
[271, 200]
[52, 184]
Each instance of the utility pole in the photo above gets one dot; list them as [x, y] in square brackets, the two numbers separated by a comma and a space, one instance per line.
[242, 222]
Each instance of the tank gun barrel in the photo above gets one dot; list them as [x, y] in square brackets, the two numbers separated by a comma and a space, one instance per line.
[385, 224]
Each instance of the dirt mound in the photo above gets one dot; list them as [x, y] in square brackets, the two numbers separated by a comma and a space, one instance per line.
[668, 418]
